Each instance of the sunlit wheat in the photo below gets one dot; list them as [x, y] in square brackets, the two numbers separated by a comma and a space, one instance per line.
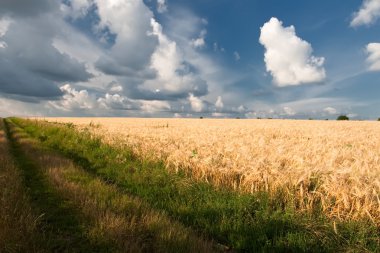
[331, 164]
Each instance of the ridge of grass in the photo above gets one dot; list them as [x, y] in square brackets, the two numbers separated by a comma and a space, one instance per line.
[121, 223]
[60, 223]
[246, 222]
[18, 222]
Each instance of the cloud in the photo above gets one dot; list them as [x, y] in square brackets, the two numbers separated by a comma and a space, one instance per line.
[77, 8]
[74, 99]
[200, 41]
[195, 103]
[289, 58]
[130, 22]
[236, 56]
[368, 13]
[40, 68]
[175, 76]
[22, 8]
[289, 111]
[330, 110]
[373, 50]
[154, 106]
[219, 103]
[162, 6]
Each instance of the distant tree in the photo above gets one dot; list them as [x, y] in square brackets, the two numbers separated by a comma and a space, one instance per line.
[343, 117]
[378, 119]
[201, 117]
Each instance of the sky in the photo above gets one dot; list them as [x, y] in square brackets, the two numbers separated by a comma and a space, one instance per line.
[178, 58]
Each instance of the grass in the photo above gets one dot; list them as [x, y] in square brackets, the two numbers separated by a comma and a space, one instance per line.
[108, 217]
[245, 222]
[60, 225]
[18, 222]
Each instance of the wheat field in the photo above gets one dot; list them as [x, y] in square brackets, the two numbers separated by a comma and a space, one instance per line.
[332, 164]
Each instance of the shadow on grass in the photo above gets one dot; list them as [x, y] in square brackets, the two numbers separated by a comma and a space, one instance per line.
[60, 224]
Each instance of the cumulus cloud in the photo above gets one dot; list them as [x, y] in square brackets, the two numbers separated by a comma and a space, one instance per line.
[175, 75]
[117, 102]
[200, 41]
[140, 67]
[74, 99]
[368, 13]
[330, 110]
[130, 22]
[373, 50]
[219, 103]
[162, 6]
[4, 24]
[40, 68]
[154, 106]
[288, 111]
[195, 103]
[289, 58]
[77, 8]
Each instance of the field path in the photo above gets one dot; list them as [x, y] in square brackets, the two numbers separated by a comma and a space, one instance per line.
[84, 214]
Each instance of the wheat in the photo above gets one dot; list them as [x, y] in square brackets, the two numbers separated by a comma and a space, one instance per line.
[311, 163]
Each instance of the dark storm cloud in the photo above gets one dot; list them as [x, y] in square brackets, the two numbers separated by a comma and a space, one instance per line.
[27, 8]
[14, 80]
[29, 63]
[110, 67]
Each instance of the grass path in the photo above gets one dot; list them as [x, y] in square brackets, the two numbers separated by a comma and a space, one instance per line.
[60, 222]
[18, 221]
[247, 223]
[84, 214]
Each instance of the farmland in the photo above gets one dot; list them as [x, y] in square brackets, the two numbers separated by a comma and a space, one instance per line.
[336, 164]
[192, 185]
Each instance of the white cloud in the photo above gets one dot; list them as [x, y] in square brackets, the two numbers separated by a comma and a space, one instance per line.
[236, 56]
[196, 103]
[154, 106]
[162, 6]
[373, 50]
[77, 8]
[289, 58]
[116, 102]
[200, 41]
[368, 14]
[173, 73]
[289, 111]
[219, 103]
[73, 99]
[130, 21]
[218, 115]
[241, 109]
[330, 110]
[4, 26]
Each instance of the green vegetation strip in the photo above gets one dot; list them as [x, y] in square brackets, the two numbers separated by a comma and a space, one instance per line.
[247, 223]
[123, 223]
[61, 223]
[18, 223]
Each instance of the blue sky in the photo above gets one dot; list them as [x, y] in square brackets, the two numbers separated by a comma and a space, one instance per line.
[177, 58]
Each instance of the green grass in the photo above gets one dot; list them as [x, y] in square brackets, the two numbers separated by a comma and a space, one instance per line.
[109, 217]
[247, 223]
[60, 224]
